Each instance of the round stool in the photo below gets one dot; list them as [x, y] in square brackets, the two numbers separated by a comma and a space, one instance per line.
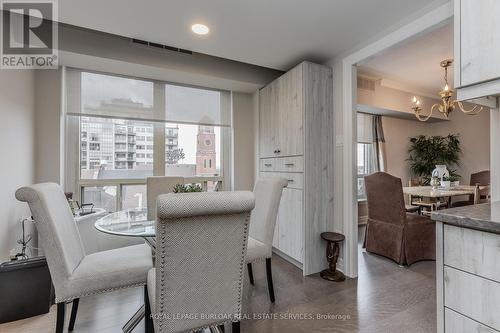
[332, 255]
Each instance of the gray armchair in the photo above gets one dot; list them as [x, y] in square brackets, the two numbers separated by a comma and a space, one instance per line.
[200, 258]
[75, 274]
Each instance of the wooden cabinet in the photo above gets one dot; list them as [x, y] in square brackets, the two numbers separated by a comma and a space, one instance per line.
[290, 114]
[268, 120]
[281, 116]
[468, 279]
[477, 49]
[290, 226]
[302, 155]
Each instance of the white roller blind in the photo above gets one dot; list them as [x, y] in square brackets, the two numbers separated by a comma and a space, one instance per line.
[103, 95]
[365, 128]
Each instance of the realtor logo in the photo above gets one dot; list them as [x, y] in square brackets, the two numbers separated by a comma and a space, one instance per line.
[29, 34]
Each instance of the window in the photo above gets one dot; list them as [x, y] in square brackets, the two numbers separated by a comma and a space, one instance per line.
[365, 166]
[117, 121]
[187, 157]
[111, 155]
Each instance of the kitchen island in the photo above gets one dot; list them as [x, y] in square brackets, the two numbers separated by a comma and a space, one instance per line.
[468, 268]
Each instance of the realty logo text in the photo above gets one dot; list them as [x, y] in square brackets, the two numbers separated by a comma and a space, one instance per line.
[29, 34]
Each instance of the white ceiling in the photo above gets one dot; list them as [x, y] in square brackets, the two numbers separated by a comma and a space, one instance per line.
[270, 33]
[416, 62]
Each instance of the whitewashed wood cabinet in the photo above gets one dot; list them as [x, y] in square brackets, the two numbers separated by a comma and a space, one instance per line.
[477, 50]
[296, 142]
[468, 280]
[281, 119]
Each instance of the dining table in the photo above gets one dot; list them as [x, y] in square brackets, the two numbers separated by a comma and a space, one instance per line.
[432, 194]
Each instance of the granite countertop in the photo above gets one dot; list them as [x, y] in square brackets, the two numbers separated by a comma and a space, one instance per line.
[484, 217]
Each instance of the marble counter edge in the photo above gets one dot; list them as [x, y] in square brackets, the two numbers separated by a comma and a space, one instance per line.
[477, 217]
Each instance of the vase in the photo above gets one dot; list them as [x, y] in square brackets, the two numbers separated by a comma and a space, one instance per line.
[440, 171]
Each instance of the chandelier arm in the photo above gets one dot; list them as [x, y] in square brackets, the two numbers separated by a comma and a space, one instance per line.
[425, 118]
[472, 111]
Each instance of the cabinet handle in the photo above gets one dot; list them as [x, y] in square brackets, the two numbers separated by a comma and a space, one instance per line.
[290, 180]
[277, 151]
[268, 164]
[289, 164]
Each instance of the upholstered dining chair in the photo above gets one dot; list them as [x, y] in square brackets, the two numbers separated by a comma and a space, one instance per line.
[74, 274]
[391, 231]
[200, 260]
[159, 185]
[482, 178]
[262, 224]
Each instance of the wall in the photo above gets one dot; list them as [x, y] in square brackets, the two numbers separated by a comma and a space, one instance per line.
[243, 141]
[90, 49]
[474, 137]
[17, 118]
[49, 131]
[474, 134]
[397, 133]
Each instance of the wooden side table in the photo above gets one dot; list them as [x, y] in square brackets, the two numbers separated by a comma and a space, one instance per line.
[332, 255]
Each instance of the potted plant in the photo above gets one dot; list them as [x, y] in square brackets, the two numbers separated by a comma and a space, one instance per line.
[426, 152]
[187, 188]
[454, 179]
[446, 183]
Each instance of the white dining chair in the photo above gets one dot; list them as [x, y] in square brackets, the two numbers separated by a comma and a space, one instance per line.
[267, 193]
[200, 260]
[75, 274]
[159, 185]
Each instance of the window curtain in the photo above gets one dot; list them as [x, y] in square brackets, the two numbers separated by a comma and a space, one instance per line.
[95, 94]
[380, 161]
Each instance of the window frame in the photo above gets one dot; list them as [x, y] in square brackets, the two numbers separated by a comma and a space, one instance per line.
[72, 165]
[368, 170]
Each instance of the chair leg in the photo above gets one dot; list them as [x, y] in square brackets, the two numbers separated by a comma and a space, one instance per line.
[61, 307]
[148, 320]
[250, 273]
[236, 327]
[74, 310]
[270, 279]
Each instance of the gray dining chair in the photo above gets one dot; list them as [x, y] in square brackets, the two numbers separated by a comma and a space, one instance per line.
[482, 178]
[267, 193]
[75, 274]
[200, 259]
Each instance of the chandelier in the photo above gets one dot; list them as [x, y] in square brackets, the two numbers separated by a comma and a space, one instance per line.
[447, 104]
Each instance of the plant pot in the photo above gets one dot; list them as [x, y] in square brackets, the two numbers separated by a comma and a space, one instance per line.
[445, 184]
[455, 183]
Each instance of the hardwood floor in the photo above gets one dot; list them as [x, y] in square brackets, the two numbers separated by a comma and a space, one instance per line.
[385, 298]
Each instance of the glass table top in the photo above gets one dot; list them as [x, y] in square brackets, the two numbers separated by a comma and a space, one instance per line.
[129, 222]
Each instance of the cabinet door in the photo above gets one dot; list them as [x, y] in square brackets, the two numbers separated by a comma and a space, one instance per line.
[291, 113]
[290, 224]
[479, 41]
[268, 120]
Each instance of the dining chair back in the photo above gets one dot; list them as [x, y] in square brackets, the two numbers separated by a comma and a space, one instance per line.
[156, 186]
[57, 230]
[483, 178]
[200, 257]
[385, 199]
[267, 193]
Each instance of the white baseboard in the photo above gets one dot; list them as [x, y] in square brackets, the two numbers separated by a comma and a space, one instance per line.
[287, 258]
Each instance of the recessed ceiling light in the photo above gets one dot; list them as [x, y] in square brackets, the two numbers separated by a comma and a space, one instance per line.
[200, 29]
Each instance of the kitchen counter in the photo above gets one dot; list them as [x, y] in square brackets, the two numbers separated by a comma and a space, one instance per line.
[483, 217]
[468, 268]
